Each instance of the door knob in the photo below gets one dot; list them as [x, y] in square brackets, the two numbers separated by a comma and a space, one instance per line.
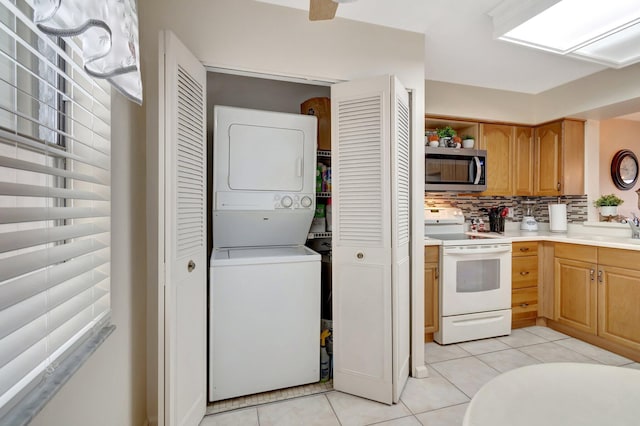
[191, 266]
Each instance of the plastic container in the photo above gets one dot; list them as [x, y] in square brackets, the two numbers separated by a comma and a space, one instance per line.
[328, 215]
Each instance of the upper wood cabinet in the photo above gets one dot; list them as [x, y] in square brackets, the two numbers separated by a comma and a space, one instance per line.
[547, 160]
[559, 158]
[523, 172]
[497, 139]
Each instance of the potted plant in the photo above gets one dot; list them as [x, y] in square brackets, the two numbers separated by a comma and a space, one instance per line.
[608, 204]
[468, 141]
[445, 134]
[432, 138]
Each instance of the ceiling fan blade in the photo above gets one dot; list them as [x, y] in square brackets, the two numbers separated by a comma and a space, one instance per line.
[320, 10]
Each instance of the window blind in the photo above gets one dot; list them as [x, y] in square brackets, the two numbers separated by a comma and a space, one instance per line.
[54, 203]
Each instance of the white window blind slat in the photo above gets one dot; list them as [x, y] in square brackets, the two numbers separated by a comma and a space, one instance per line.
[35, 237]
[55, 131]
[24, 190]
[20, 264]
[31, 214]
[12, 163]
[21, 314]
[27, 286]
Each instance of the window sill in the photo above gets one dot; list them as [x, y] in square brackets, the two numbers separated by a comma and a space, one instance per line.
[28, 407]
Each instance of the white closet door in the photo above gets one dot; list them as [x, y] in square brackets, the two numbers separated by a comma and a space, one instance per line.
[184, 106]
[400, 232]
[368, 285]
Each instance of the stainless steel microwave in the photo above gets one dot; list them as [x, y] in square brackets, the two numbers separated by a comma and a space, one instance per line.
[455, 169]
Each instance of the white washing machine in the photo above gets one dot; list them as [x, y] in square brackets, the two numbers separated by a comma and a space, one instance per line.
[264, 320]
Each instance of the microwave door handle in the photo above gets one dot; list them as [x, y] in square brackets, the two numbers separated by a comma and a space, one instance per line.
[478, 170]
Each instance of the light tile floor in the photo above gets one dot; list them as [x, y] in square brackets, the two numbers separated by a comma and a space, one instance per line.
[456, 372]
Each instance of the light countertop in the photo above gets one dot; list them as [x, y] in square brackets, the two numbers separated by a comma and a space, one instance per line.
[587, 234]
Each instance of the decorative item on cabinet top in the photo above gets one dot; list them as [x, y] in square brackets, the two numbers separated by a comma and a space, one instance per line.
[608, 207]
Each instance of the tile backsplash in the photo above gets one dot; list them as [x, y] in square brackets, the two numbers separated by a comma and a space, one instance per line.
[471, 205]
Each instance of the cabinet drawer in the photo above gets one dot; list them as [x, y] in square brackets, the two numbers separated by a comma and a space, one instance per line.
[629, 259]
[524, 303]
[525, 248]
[431, 254]
[524, 271]
[576, 252]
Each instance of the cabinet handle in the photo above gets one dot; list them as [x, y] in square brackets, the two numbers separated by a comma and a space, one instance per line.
[558, 186]
[600, 276]
[437, 273]
[524, 248]
[524, 305]
[523, 273]
[591, 274]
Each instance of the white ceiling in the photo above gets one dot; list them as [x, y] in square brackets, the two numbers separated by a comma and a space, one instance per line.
[459, 43]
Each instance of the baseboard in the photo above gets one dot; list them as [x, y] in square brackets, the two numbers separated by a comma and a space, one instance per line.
[595, 340]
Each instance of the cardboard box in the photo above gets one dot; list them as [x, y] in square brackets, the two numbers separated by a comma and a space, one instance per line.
[321, 108]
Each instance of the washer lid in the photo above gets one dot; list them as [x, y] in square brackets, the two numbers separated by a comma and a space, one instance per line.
[253, 255]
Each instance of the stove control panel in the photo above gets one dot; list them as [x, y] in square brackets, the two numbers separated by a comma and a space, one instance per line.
[443, 215]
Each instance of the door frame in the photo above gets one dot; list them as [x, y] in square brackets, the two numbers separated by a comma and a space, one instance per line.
[418, 368]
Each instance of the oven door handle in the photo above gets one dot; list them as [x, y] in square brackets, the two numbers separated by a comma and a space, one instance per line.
[476, 250]
[478, 170]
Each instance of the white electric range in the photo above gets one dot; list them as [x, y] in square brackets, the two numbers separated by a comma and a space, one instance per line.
[475, 279]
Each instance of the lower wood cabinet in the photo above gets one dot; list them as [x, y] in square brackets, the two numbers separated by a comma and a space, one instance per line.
[524, 284]
[597, 291]
[431, 291]
[619, 296]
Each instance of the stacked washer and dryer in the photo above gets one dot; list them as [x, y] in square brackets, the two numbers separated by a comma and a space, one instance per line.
[264, 289]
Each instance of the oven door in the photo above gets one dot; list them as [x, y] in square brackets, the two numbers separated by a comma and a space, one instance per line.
[475, 278]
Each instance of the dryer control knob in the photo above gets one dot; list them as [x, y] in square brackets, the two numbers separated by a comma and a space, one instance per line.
[286, 201]
[306, 201]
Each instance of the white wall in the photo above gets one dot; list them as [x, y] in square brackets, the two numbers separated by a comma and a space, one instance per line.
[109, 389]
[251, 36]
[478, 103]
[602, 95]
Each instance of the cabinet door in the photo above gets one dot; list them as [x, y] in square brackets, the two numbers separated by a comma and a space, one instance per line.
[524, 161]
[575, 294]
[618, 305]
[498, 141]
[548, 146]
[431, 291]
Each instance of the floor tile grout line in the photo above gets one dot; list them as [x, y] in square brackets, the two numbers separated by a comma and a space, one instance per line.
[454, 385]
[335, 413]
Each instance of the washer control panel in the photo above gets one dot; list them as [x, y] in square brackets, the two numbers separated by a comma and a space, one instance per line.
[292, 201]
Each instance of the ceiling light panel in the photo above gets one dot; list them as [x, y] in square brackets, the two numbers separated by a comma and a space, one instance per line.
[571, 23]
[619, 49]
[597, 30]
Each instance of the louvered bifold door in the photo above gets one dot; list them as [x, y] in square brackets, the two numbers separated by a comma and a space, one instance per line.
[400, 266]
[185, 234]
[362, 293]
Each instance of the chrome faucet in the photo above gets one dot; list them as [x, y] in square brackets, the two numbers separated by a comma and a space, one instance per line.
[634, 224]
